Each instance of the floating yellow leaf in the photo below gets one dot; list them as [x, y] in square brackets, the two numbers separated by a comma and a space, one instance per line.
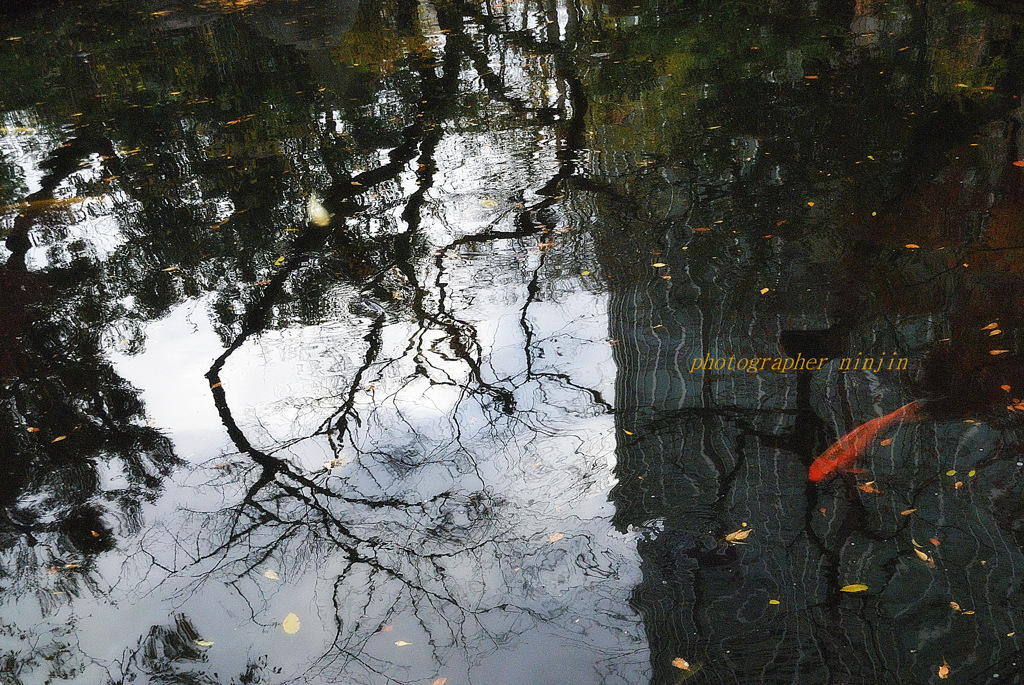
[627, 432]
[907, 512]
[951, 472]
[402, 643]
[440, 681]
[971, 473]
[968, 612]
[488, 204]
[171, 268]
[774, 601]
[204, 643]
[658, 264]
[995, 332]
[944, 670]
[681, 663]
[271, 574]
[291, 624]
[869, 487]
[317, 213]
[556, 537]
[764, 290]
[32, 429]
[739, 535]
[998, 351]
[59, 438]
[279, 262]
[71, 565]
[887, 441]
[216, 385]
[958, 484]
[994, 324]
[954, 606]
[1011, 633]
[921, 555]
[912, 246]
[854, 587]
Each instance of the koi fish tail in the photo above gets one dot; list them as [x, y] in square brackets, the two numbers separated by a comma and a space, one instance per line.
[851, 446]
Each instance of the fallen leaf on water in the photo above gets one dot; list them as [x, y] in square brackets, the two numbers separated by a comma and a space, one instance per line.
[995, 332]
[958, 484]
[440, 681]
[627, 432]
[907, 512]
[271, 574]
[971, 473]
[736, 537]
[1019, 162]
[556, 537]
[968, 612]
[279, 261]
[887, 441]
[488, 204]
[1005, 387]
[680, 662]
[59, 438]
[32, 429]
[1011, 633]
[204, 643]
[774, 601]
[934, 541]
[921, 555]
[824, 512]
[854, 587]
[71, 565]
[994, 324]
[658, 264]
[402, 643]
[912, 246]
[951, 472]
[869, 487]
[944, 670]
[764, 290]
[954, 606]
[998, 351]
[291, 624]
[386, 629]
[94, 533]
[171, 268]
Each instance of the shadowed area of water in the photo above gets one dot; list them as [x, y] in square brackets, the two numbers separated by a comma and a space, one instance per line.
[376, 342]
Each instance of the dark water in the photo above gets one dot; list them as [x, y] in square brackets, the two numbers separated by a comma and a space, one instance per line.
[383, 317]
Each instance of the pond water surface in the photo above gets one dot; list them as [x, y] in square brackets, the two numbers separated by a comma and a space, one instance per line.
[351, 342]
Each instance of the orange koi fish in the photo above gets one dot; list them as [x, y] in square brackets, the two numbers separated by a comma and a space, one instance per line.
[39, 206]
[849, 448]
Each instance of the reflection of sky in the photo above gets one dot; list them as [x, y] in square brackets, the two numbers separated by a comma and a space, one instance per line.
[549, 465]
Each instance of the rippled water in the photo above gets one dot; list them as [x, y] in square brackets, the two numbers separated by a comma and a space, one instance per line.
[365, 342]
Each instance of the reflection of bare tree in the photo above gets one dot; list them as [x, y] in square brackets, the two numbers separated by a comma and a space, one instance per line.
[397, 539]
